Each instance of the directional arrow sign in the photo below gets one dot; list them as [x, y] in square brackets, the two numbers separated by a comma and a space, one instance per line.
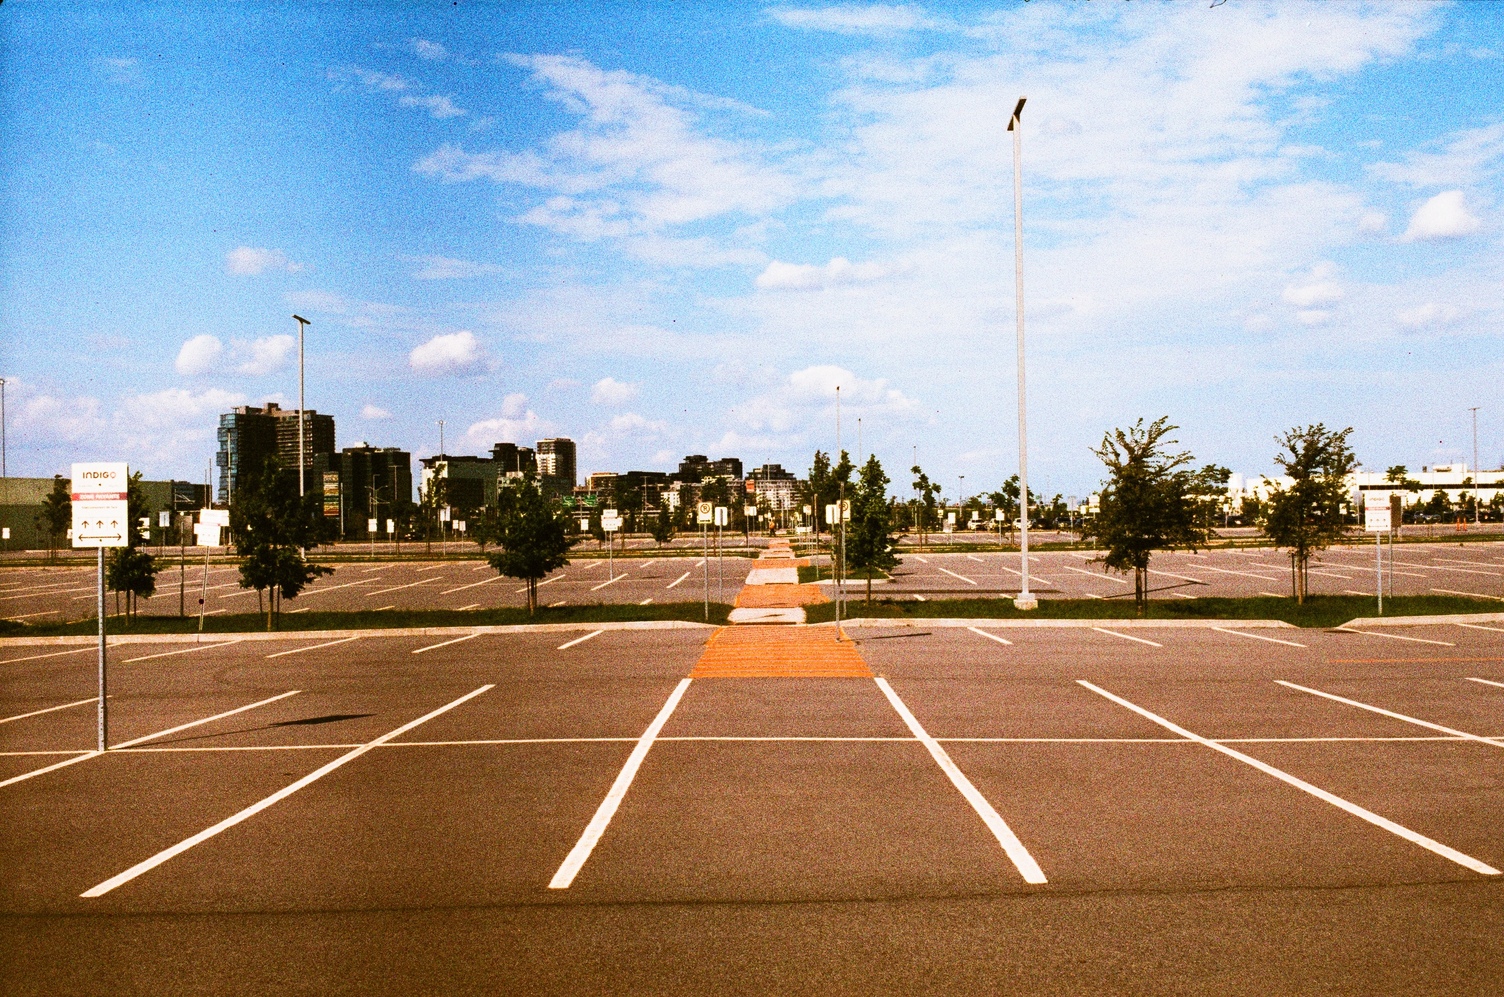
[100, 496]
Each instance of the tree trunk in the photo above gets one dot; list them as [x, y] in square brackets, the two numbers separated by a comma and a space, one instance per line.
[869, 586]
[268, 608]
[1139, 594]
[532, 596]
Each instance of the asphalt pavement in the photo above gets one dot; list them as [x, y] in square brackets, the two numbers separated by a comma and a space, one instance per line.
[1014, 810]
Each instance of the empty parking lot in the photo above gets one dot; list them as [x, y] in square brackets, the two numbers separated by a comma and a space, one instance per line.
[1238, 809]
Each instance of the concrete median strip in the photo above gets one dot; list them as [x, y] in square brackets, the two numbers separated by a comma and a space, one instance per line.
[1431, 845]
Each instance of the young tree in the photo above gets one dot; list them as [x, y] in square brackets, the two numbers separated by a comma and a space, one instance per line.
[273, 526]
[926, 515]
[57, 514]
[869, 538]
[663, 526]
[532, 539]
[430, 501]
[1211, 487]
[1148, 502]
[131, 570]
[1308, 516]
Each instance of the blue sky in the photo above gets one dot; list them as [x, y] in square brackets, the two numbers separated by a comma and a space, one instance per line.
[664, 230]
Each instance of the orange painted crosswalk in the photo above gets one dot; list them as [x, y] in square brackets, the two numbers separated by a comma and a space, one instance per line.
[780, 652]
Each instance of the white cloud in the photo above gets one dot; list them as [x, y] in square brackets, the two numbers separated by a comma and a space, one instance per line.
[120, 70]
[250, 261]
[1373, 222]
[609, 391]
[792, 403]
[450, 353]
[1464, 158]
[1320, 288]
[199, 355]
[856, 19]
[1313, 316]
[438, 106]
[266, 355]
[175, 407]
[780, 276]
[448, 268]
[50, 418]
[374, 412]
[516, 424]
[1444, 216]
[389, 82]
[426, 49]
[632, 424]
[1428, 314]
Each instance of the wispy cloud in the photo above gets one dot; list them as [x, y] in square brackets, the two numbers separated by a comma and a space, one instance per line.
[250, 261]
[449, 268]
[451, 353]
[857, 19]
[438, 106]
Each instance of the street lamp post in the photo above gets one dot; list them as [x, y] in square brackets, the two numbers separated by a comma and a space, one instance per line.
[2, 427]
[960, 500]
[303, 323]
[1477, 500]
[1024, 600]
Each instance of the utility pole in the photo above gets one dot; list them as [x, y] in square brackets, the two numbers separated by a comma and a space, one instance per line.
[2, 428]
[303, 323]
[838, 572]
[1024, 599]
[1477, 500]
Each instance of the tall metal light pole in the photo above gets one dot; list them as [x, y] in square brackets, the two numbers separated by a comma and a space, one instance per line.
[1477, 500]
[2, 427]
[838, 569]
[1024, 599]
[303, 323]
[960, 497]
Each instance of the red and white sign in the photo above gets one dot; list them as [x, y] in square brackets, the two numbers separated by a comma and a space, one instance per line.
[101, 511]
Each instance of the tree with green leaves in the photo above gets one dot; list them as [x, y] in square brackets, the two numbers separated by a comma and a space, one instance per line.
[431, 501]
[1310, 515]
[274, 527]
[57, 514]
[1211, 488]
[662, 526]
[1148, 501]
[926, 509]
[870, 543]
[129, 570]
[532, 539]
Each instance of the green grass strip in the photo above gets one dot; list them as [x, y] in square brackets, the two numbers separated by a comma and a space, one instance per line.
[693, 612]
[1316, 611]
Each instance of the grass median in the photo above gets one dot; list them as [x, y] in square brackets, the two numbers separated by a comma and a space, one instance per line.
[1316, 611]
[388, 619]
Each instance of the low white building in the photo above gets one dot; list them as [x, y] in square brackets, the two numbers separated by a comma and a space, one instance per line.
[1455, 480]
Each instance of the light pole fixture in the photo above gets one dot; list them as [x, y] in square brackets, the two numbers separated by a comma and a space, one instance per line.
[2, 427]
[1477, 471]
[1024, 599]
[303, 323]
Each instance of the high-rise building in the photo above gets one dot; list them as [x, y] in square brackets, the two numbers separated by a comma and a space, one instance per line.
[695, 468]
[514, 461]
[370, 480]
[556, 462]
[249, 435]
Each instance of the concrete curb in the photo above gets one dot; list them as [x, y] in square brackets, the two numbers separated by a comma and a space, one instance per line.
[1421, 621]
[1114, 624]
[216, 638]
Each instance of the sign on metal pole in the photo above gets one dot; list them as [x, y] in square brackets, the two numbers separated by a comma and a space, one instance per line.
[101, 518]
[722, 515]
[750, 511]
[705, 513]
[1378, 512]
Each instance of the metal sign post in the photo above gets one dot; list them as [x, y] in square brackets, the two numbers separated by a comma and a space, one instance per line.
[101, 518]
[704, 516]
[610, 523]
[1377, 519]
[722, 517]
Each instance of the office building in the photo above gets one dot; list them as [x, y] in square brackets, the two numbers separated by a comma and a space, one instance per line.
[468, 482]
[250, 435]
[369, 480]
[556, 463]
[695, 468]
[513, 461]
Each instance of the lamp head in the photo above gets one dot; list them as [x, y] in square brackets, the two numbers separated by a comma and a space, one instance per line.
[1017, 113]
[301, 319]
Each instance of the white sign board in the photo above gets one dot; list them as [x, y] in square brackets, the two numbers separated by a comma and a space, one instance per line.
[750, 510]
[370, 526]
[211, 522]
[101, 509]
[391, 526]
[5, 533]
[704, 513]
[722, 515]
[164, 519]
[1377, 512]
[998, 516]
[610, 524]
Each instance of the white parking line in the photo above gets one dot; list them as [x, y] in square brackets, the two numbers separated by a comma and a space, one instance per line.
[1272, 640]
[333, 588]
[50, 709]
[580, 853]
[457, 640]
[205, 720]
[546, 581]
[168, 853]
[1488, 682]
[1114, 633]
[186, 650]
[398, 588]
[1375, 633]
[1470, 626]
[1390, 713]
[311, 647]
[963, 578]
[989, 636]
[921, 560]
[645, 601]
[49, 654]
[1431, 845]
[1171, 574]
[1015, 850]
[608, 581]
[580, 640]
[1098, 575]
[1229, 571]
[461, 588]
[676, 581]
[1475, 595]
[973, 557]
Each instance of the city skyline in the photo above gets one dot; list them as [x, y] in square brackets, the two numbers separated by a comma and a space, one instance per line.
[677, 235]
